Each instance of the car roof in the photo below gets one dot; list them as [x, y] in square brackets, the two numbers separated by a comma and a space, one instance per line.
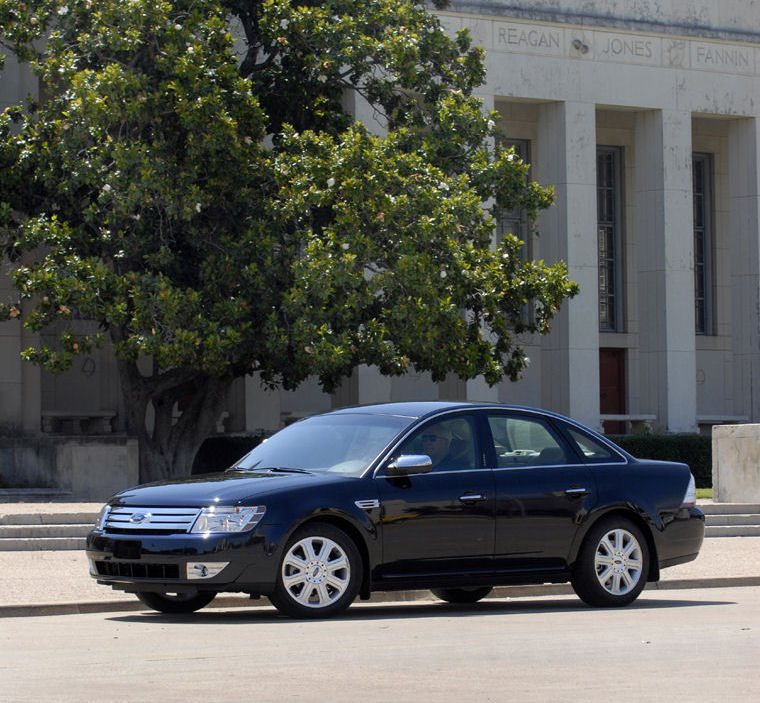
[422, 408]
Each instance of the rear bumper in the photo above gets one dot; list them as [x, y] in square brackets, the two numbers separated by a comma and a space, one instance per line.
[681, 537]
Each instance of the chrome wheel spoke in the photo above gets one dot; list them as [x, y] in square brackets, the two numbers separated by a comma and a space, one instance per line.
[307, 545]
[304, 595]
[628, 580]
[341, 562]
[323, 595]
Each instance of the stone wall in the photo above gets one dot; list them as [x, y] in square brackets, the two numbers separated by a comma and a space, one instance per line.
[87, 468]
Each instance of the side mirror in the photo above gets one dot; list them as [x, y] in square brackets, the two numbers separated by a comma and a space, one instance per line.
[410, 464]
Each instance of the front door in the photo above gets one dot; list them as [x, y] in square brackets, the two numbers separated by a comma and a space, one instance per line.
[439, 522]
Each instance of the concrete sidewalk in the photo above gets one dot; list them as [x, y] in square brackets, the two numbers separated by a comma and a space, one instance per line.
[58, 582]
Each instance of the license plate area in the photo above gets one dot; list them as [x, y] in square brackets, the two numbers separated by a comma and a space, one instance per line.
[127, 549]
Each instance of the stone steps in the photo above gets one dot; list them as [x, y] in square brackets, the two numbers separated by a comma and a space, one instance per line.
[36, 531]
[29, 531]
[32, 495]
[39, 544]
[731, 519]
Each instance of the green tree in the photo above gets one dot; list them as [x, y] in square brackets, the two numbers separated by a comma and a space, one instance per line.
[194, 183]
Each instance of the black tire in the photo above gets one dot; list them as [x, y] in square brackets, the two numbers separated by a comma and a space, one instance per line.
[612, 566]
[320, 573]
[461, 595]
[187, 602]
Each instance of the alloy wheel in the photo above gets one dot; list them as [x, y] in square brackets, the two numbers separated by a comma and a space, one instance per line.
[618, 562]
[316, 571]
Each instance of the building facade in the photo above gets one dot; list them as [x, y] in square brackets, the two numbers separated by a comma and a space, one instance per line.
[645, 118]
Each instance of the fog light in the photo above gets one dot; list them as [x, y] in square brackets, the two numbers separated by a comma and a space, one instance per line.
[204, 570]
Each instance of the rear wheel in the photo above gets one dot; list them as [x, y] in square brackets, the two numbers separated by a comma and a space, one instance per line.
[187, 602]
[320, 573]
[612, 565]
[461, 595]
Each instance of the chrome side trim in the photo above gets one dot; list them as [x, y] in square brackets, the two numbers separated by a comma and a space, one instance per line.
[368, 504]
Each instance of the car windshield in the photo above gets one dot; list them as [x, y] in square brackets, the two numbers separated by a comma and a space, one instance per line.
[344, 444]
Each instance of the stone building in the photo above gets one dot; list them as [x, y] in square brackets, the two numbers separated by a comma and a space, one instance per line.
[645, 117]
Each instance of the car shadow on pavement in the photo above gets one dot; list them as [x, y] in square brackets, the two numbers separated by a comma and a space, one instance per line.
[414, 609]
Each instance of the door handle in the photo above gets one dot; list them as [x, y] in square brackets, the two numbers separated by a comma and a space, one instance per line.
[472, 497]
[576, 491]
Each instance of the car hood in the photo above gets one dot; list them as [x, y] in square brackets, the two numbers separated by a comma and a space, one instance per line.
[226, 488]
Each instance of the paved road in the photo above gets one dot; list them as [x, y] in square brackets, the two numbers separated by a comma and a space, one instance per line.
[670, 645]
[58, 582]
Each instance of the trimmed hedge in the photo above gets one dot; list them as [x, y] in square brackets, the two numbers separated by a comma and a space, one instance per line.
[220, 452]
[692, 449]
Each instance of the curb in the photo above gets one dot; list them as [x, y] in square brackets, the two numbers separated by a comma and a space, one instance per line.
[31, 610]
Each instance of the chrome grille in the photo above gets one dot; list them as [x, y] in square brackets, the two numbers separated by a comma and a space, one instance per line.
[133, 520]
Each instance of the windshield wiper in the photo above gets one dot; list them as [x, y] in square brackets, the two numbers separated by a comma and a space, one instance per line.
[270, 469]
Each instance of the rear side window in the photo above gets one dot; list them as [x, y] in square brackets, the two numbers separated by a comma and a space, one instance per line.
[525, 441]
[591, 449]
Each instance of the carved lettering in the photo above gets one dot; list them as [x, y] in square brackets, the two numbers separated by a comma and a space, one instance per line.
[718, 56]
[627, 47]
[531, 38]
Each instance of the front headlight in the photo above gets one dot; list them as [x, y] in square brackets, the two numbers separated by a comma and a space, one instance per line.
[102, 517]
[228, 518]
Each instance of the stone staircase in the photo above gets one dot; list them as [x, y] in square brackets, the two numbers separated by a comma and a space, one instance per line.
[64, 528]
[731, 519]
[20, 531]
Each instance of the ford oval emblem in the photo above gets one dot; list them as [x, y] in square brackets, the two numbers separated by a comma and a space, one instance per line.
[139, 517]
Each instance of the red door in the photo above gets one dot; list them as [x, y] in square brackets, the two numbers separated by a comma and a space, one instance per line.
[612, 388]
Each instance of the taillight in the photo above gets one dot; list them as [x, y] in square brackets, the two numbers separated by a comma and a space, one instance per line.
[690, 497]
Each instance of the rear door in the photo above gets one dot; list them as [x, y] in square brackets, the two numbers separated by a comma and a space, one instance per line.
[543, 491]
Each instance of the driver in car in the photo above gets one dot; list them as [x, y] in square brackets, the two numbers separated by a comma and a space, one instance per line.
[436, 443]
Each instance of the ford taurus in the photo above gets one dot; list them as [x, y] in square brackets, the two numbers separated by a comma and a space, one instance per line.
[452, 497]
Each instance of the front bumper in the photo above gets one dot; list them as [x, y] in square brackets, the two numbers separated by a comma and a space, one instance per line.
[245, 562]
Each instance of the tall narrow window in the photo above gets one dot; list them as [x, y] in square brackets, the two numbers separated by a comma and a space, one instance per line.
[703, 243]
[610, 237]
[516, 221]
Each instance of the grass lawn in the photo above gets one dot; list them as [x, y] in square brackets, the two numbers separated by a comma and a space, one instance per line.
[704, 492]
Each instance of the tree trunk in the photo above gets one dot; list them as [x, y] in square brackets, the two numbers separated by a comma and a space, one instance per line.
[168, 447]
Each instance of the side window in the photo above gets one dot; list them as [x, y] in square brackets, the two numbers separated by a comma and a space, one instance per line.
[524, 441]
[591, 449]
[450, 443]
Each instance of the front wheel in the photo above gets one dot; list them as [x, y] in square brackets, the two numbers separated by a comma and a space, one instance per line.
[320, 573]
[461, 595]
[186, 602]
[612, 565]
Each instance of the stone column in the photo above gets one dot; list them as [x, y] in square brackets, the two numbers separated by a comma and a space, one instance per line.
[475, 389]
[31, 382]
[744, 232]
[11, 374]
[262, 406]
[664, 231]
[566, 159]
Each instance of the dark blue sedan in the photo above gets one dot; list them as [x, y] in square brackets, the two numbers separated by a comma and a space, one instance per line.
[451, 497]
